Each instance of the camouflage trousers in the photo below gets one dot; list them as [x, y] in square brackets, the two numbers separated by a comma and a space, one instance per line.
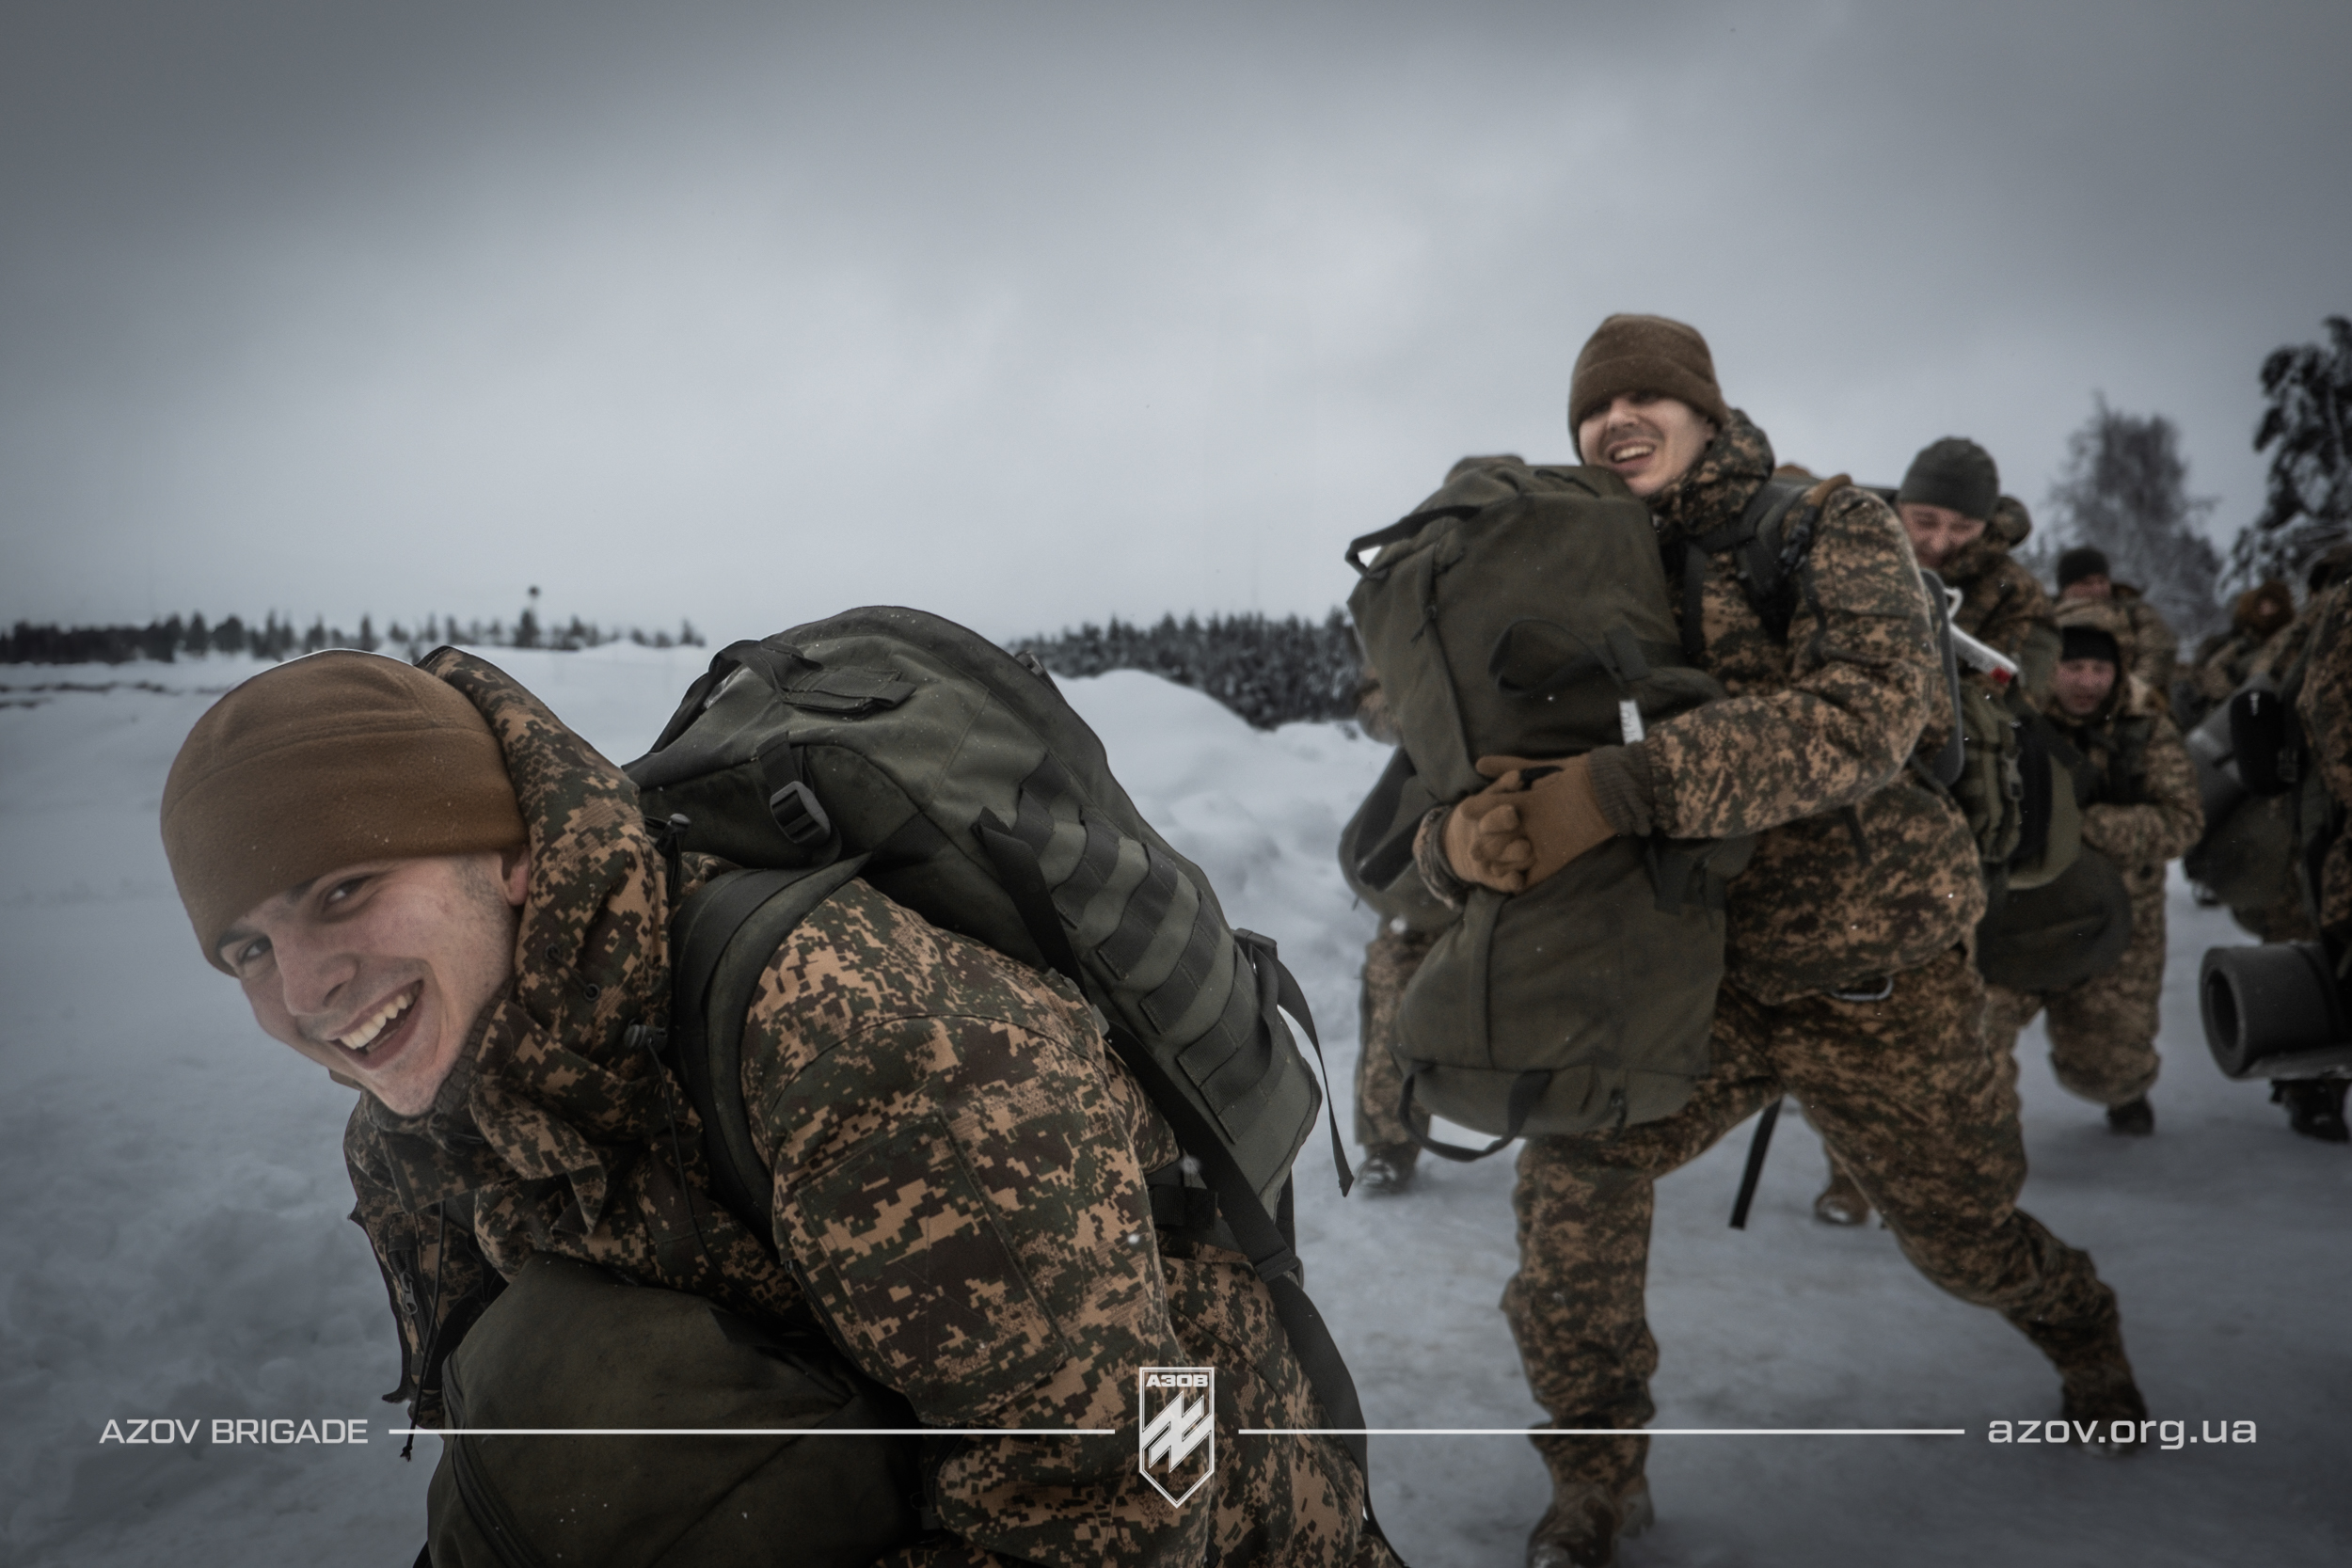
[1389, 961]
[1907, 1099]
[2103, 1032]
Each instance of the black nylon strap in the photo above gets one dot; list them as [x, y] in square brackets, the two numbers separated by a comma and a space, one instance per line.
[1278, 987]
[722, 937]
[1526, 1089]
[1757, 1148]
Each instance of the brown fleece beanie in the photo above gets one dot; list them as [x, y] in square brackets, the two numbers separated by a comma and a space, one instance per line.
[320, 763]
[1644, 353]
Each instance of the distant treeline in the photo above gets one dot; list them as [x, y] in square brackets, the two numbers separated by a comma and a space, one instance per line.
[1269, 671]
[274, 638]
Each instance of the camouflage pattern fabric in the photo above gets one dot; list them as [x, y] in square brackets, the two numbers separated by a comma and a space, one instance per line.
[2158, 656]
[1908, 1100]
[2143, 810]
[1863, 869]
[2002, 606]
[959, 1190]
[2325, 707]
[1389, 961]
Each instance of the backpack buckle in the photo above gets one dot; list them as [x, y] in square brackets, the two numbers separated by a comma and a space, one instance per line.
[801, 816]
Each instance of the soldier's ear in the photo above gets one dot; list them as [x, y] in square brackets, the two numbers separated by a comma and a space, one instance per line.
[515, 875]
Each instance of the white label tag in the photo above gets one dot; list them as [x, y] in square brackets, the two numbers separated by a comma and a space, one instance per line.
[1630, 719]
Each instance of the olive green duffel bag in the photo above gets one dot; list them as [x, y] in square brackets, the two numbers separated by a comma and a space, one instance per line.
[569, 1346]
[1523, 611]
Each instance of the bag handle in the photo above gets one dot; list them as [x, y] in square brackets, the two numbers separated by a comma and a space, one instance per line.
[1526, 1089]
[1404, 528]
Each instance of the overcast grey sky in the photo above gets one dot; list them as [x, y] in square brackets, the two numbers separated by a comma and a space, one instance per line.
[1032, 313]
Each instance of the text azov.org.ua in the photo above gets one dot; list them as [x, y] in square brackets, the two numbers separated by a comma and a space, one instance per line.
[2168, 1435]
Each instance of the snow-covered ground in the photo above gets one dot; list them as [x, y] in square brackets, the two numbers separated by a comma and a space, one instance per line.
[174, 1242]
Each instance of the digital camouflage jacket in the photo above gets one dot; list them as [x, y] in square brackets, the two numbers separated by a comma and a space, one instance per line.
[959, 1190]
[1863, 869]
[2002, 605]
[2325, 707]
[2143, 808]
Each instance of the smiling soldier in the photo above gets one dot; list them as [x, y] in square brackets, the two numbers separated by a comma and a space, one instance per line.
[1848, 982]
[430, 886]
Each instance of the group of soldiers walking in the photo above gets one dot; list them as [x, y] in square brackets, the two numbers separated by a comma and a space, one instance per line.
[1851, 978]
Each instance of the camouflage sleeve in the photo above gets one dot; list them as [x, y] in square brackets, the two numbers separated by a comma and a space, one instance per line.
[2325, 704]
[956, 1187]
[435, 1276]
[1863, 669]
[2164, 826]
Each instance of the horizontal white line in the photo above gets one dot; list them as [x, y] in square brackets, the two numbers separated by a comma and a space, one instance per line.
[751, 1432]
[1604, 1431]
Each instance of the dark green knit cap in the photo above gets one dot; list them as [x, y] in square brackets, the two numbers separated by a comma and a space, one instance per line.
[1954, 472]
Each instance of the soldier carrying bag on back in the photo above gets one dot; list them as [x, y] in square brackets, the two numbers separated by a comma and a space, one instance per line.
[1844, 974]
[974, 1216]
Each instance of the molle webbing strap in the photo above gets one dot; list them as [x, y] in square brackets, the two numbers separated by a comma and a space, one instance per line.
[1267, 1243]
[722, 938]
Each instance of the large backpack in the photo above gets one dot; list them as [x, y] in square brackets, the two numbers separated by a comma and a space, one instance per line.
[896, 746]
[1523, 611]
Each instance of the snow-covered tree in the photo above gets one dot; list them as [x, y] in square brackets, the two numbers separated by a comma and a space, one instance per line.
[2309, 422]
[2124, 490]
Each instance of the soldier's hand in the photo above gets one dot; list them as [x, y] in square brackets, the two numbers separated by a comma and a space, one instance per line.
[1553, 809]
[1484, 844]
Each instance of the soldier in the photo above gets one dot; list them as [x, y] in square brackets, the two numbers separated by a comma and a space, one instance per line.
[2225, 659]
[1848, 980]
[1391, 1153]
[428, 885]
[2083, 574]
[1962, 528]
[2315, 1105]
[2142, 810]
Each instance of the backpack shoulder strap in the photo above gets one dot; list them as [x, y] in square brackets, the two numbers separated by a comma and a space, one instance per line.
[1767, 543]
[721, 940]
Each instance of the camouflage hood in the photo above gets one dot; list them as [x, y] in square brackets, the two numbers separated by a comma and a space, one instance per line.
[556, 1121]
[2131, 696]
[1719, 485]
[1969, 563]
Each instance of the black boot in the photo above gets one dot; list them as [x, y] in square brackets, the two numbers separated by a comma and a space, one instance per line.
[2315, 1107]
[2133, 1118]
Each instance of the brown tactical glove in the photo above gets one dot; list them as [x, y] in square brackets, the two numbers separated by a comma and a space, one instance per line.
[1550, 809]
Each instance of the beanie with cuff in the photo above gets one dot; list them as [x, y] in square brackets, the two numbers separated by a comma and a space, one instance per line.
[328, 761]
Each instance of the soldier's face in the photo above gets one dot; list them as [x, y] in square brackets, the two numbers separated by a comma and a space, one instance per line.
[378, 971]
[2095, 586]
[1647, 441]
[1938, 533]
[2083, 684]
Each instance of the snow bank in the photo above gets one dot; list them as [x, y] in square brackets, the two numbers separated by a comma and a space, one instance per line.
[175, 1243]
